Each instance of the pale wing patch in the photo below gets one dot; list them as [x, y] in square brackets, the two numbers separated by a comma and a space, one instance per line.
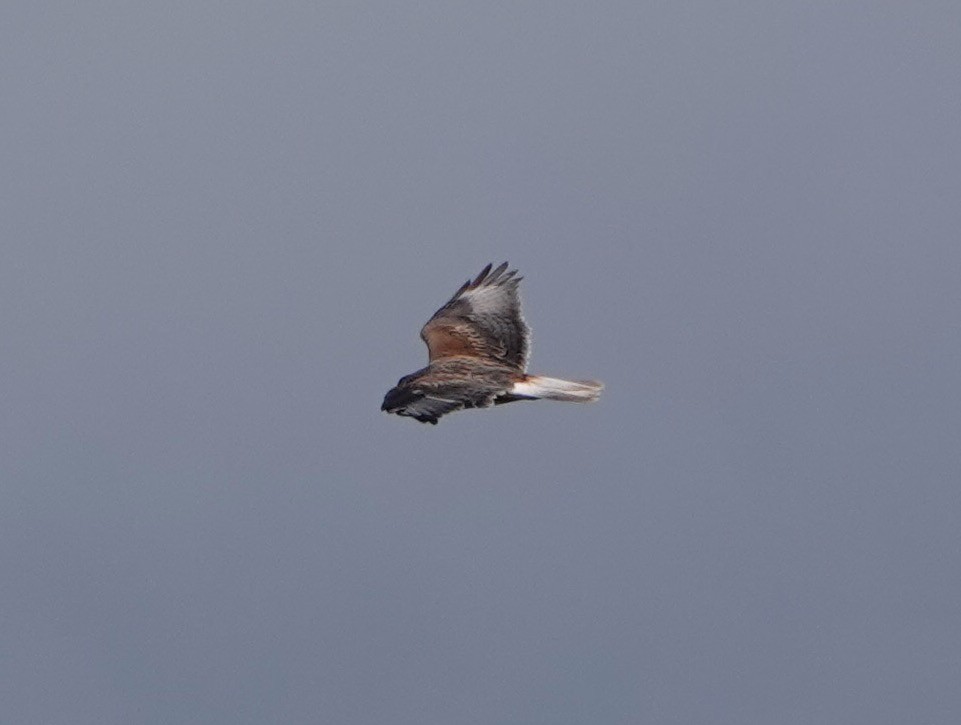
[490, 300]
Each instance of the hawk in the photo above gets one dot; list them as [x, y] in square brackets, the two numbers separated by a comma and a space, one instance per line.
[477, 347]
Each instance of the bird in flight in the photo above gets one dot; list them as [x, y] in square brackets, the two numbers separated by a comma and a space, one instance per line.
[477, 347]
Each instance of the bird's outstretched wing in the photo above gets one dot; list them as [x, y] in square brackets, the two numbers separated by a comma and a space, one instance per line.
[482, 319]
[419, 404]
[448, 385]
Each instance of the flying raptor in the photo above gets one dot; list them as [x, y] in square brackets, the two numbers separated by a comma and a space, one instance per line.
[478, 345]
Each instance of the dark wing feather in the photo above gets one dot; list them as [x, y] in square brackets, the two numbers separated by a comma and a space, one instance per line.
[483, 319]
[448, 385]
[426, 408]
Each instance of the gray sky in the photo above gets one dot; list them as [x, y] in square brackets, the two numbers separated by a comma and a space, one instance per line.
[223, 225]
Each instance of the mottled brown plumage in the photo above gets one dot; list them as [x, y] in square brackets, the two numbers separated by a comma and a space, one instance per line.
[478, 345]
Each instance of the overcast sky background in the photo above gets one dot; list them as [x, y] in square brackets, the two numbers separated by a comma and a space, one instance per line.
[223, 224]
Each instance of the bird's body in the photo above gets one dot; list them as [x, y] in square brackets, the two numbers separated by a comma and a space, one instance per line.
[478, 345]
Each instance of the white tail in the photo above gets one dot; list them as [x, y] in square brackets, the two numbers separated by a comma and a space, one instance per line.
[537, 386]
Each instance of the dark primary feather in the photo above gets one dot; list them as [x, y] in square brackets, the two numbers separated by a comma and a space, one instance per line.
[418, 405]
